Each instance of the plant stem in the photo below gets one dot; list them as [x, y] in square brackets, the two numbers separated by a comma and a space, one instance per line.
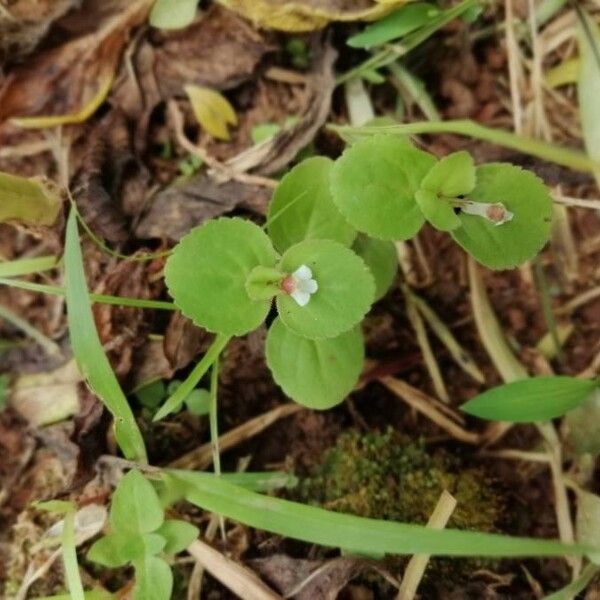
[100, 298]
[192, 380]
[542, 285]
[551, 152]
[213, 419]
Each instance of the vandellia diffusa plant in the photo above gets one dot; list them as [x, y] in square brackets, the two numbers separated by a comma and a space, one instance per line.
[327, 252]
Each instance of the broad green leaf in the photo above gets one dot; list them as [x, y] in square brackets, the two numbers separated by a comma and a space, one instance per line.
[530, 400]
[367, 536]
[374, 183]
[89, 353]
[212, 110]
[452, 176]
[316, 373]
[582, 427]
[173, 14]
[439, 212]
[381, 258]
[135, 507]
[111, 551]
[394, 26]
[33, 201]
[178, 535]
[207, 272]
[588, 83]
[154, 579]
[302, 207]
[345, 293]
[509, 244]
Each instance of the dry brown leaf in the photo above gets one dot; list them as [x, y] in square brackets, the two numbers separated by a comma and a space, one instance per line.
[219, 51]
[308, 15]
[26, 22]
[63, 80]
[175, 210]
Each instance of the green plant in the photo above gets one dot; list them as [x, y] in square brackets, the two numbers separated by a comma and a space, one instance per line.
[327, 254]
[140, 535]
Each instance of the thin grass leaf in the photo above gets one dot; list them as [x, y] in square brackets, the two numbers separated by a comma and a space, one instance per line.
[26, 266]
[551, 152]
[588, 82]
[531, 400]
[88, 350]
[368, 536]
[100, 298]
[69, 553]
[576, 586]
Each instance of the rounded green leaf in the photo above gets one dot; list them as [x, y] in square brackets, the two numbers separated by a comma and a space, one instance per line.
[514, 242]
[440, 213]
[346, 289]
[381, 258]
[453, 175]
[111, 551]
[530, 400]
[316, 373]
[178, 535]
[135, 507]
[207, 273]
[302, 207]
[153, 579]
[374, 183]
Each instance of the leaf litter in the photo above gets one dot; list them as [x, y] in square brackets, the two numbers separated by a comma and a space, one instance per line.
[101, 73]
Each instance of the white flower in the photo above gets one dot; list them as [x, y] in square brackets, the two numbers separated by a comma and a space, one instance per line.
[496, 212]
[300, 285]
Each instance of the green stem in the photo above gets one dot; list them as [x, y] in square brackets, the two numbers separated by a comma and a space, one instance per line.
[192, 380]
[542, 285]
[69, 553]
[578, 161]
[213, 417]
[100, 298]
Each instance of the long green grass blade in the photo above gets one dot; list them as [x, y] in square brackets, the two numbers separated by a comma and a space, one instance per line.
[577, 585]
[368, 536]
[69, 552]
[53, 290]
[88, 350]
[551, 152]
[26, 266]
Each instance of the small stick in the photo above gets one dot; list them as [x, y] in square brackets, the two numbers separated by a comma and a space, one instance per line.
[418, 563]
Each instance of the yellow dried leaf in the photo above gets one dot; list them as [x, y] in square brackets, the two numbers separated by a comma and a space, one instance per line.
[212, 110]
[41, 122]
[564, 73]
[297, 16]
[34, 201]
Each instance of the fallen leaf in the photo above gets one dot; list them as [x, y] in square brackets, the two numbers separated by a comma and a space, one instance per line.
[308, 15]
[173, 14]
[183, 341]
[212, 110]
[35, 201]
[66, 84]
[219, 50]
[26, 22]
[44, 398]
[278, 151]
[173, 211]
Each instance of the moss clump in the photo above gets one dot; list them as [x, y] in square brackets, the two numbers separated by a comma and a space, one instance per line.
[387, 476]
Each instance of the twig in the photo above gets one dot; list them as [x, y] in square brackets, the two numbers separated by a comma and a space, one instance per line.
[418, 563]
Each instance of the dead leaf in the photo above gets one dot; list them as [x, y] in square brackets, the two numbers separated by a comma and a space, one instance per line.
[26, 22]
[65, 80]
[48, 397]
[308, 15]
[212, 110]
[175, 210]
[35, 201]
[183, 341]
[219, 50]
[278, 151]
[310, 579]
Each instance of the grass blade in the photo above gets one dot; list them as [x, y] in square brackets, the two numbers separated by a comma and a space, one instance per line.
[368, 536]
[26, 266]
[531, 400]
[88, 350]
